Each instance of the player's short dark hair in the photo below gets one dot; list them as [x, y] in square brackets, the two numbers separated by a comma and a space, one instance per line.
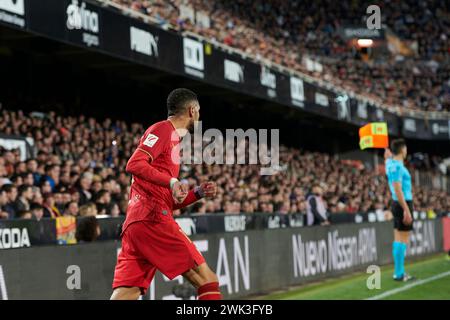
[397, 146]
[178, 100]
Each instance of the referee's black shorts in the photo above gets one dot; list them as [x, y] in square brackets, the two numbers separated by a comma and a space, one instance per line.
[397, 212]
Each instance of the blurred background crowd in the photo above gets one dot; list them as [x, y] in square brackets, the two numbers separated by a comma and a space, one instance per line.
[410, 70]
[78, 170]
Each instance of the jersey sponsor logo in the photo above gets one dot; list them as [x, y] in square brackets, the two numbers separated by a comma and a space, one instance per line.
[151, 140]
[143, 42]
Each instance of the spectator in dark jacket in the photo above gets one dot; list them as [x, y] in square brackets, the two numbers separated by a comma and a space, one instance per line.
[11, 196]
[3, 202]
[37, 211]
[25, 195]
[84, 187]
[50, 209]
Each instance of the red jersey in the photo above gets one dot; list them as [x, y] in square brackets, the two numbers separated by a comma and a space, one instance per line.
[161, 143]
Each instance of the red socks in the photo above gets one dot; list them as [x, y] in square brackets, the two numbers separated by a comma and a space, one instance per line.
[209, 291]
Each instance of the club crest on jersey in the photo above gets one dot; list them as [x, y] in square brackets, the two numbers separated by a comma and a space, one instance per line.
[150, 140]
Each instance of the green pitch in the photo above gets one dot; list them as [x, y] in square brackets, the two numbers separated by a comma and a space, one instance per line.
[433, 282]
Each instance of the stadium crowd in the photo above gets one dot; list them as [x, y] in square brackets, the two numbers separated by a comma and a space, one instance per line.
[285, 32]
[79, 170]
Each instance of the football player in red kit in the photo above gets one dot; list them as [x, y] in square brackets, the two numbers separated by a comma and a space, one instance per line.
[151, 239]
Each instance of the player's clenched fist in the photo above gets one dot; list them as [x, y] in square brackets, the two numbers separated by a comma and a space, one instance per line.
[209, 189]
[179, 190]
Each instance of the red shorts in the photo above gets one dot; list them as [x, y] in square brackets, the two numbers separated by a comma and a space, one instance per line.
[148, 246]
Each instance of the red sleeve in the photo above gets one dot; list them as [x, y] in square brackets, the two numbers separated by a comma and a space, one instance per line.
[190, 199]
[140, 166]
[155, 141]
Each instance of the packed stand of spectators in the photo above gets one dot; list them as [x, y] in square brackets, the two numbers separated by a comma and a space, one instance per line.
[79, 171]
[287, 31]
[346, 186]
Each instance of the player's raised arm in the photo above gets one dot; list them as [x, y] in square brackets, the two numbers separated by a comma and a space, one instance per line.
[152, 144]
[140, 165]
